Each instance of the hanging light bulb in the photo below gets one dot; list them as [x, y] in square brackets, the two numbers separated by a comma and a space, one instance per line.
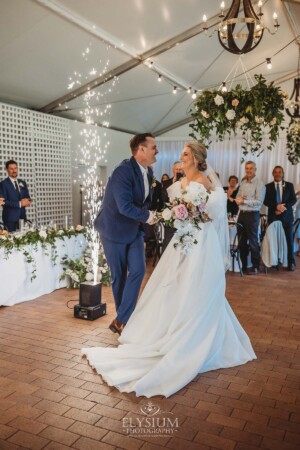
[175, 90]
[205, 28]
[222, 6]
[269, 63]
[189, 90]
[159, 78]
[276, 24]
[194, 95]
[224, 87]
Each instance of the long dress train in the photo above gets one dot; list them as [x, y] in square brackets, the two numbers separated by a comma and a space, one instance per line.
[182, 324]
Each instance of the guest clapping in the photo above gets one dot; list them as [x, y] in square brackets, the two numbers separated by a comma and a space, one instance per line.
[250, 198]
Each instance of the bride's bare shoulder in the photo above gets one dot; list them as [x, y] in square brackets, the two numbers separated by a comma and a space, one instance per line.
[183, 182]
[203, 179]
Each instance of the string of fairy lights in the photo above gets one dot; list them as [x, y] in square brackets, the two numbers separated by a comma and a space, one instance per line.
[94, 147]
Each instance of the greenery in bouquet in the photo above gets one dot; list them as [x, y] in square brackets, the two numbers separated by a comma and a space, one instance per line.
[80, 269]
[253, 111]
[185, 213]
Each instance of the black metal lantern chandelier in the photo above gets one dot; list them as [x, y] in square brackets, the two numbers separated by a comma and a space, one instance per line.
[248, 29]
[293, 106]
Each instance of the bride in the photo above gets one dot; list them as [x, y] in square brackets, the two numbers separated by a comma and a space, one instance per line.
[182, 324]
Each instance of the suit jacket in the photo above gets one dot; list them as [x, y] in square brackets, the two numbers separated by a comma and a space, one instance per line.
[288, 198]
[157, 203]
[123, 208]
[12, 211]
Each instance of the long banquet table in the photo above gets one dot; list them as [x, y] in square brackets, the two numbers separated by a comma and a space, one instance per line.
[15, 272]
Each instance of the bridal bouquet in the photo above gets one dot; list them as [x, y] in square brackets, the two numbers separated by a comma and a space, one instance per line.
[185, 213]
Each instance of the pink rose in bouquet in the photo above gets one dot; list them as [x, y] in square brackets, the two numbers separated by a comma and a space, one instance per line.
[202, 207]
[180, 212]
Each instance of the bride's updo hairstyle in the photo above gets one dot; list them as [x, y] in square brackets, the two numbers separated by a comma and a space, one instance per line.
[199, 153]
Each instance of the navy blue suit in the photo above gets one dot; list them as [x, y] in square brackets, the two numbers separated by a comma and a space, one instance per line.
[287, 218]
[12, 211]
[119, 224]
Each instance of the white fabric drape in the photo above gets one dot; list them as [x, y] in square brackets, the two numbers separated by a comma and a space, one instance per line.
[225, 158]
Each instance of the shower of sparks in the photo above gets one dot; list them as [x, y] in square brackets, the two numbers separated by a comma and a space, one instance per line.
[94, 150]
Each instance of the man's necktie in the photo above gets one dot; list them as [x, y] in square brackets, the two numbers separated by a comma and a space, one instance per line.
[278, 199]
[146, 184]
[17, 188]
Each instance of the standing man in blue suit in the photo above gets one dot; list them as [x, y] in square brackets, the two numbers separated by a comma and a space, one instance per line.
[123, 210]
[280, 199]
[16, 197]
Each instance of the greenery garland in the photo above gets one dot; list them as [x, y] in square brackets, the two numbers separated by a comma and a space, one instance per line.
[250, 111]
[293, 142]
[28, 242]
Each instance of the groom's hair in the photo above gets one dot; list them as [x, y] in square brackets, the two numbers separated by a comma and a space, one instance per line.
[137, 140]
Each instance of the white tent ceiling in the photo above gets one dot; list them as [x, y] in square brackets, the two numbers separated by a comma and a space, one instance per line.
[42, 44]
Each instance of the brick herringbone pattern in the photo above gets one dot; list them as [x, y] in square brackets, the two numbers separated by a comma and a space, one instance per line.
[51, 399]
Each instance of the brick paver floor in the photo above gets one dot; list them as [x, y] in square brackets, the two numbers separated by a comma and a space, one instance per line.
[50, 398]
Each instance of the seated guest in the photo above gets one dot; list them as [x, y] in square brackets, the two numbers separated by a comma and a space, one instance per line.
[16, 197]
[280, 199]
[232, 190]
[164, 177]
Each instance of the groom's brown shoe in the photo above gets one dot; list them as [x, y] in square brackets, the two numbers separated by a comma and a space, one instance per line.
[116, 326]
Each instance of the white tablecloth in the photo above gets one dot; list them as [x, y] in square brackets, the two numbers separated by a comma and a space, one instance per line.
[15, 272]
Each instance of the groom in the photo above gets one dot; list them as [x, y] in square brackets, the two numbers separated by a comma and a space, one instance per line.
[123, 210]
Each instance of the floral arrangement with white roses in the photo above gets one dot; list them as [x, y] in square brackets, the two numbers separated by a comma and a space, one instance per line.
[293, 142]
[253, 111]
[185, 214]
[81, 269]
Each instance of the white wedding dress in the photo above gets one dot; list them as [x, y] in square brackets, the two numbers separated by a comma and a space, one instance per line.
[182, 324]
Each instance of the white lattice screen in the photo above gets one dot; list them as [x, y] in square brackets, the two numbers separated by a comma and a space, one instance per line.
[41, 146]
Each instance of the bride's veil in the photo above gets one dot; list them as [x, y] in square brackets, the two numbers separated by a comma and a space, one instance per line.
[221, 224]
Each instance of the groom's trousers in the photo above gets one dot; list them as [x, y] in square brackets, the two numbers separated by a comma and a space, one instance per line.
[127, 266]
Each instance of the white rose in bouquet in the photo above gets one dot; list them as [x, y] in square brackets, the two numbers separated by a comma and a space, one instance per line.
[78, 228]
[89, 276]
[166, 214]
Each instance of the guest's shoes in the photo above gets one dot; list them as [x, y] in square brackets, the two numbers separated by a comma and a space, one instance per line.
[253, 271]
[116, 326]
[291, 267]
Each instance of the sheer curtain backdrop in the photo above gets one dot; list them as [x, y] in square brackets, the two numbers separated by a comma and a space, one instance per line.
[225, 158]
